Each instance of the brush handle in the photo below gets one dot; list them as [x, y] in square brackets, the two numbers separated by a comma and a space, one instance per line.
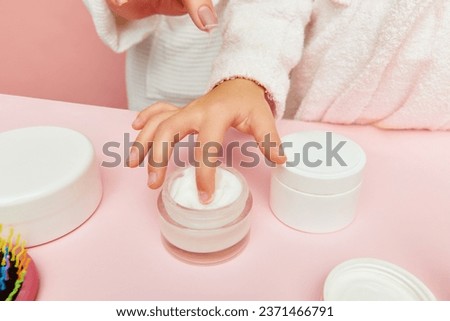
[30, 285]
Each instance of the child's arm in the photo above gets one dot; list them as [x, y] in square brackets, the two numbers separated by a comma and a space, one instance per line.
[263, 40]
[262, 43]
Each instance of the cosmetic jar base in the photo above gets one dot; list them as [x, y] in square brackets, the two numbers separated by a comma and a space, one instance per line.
[206, 258]
[313, 213]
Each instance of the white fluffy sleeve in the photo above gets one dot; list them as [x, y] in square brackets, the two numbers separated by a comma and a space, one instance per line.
[263, 41]
[119, 37]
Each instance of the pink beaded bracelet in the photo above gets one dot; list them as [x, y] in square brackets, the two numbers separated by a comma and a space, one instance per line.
[267, 95]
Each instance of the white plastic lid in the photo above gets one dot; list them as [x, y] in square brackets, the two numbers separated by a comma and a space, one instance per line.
[321, 163]
[368, 279]
[49, 182]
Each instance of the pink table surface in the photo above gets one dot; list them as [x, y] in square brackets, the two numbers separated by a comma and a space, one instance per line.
[403, 217]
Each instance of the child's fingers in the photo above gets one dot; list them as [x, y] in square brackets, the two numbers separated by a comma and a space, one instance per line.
[210, 139]
[143, 141]
[168, 133]
[268, 139]
[152, 110]
[119, 2]
[202, 13]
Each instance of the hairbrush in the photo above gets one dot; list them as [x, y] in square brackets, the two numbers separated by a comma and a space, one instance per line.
[19, 279]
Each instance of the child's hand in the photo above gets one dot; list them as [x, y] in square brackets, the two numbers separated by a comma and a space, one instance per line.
[237, 103]
[201, 11]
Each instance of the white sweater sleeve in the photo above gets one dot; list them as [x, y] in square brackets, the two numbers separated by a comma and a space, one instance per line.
[119, 37]
[262, 41]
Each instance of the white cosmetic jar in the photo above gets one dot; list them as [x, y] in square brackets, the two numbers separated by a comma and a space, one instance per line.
[50, 182]
[317, 189]
[205, 235]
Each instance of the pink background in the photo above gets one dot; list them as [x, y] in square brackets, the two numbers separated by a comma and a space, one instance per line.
[49, 49]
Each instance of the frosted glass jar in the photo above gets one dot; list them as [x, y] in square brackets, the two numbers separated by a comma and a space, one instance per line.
[212, 233]
[317, 189]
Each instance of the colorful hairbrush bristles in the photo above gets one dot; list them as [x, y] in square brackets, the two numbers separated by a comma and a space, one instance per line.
[13, 265]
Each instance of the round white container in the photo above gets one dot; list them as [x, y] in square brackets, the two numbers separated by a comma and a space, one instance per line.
[368, 279]
[49, 182]
[208, 235]
[317, 189]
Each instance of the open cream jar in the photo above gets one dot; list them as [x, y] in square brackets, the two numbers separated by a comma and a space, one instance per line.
[317, 189]
[210, 233]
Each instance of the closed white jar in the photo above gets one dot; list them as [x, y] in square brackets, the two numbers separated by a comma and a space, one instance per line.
[50, 182]
[317, 189]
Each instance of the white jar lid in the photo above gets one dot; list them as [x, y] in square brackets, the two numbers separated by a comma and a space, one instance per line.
[368, 279]
[321, 163]
[49, 182]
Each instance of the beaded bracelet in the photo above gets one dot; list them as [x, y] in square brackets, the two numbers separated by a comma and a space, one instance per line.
[267, 95]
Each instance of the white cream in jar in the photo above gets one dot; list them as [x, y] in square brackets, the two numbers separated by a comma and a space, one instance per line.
[184, 190]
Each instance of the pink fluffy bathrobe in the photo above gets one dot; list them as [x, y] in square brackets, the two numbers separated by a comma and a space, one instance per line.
[384, 62]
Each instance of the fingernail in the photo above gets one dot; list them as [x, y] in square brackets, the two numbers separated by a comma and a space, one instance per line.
[133, 156]
[120, 2]
[204, 198]
[207, 17]
[136, 123]
[281, 155]
[152, 177]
